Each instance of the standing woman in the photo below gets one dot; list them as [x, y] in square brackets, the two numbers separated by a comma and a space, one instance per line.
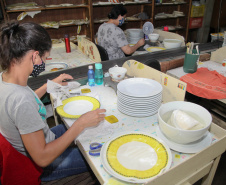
[112, 38]
[22, 114]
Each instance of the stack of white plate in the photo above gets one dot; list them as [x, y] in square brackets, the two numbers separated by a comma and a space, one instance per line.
[139, 97]
[134, 35]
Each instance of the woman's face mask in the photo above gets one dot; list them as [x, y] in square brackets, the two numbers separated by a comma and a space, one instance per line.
[121, 21]
[38, 69]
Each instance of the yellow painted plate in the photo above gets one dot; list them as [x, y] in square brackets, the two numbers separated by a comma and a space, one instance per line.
[135, 156]
[153, 49]
[74, 107]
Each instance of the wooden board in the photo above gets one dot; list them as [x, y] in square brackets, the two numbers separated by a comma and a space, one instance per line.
[88, 48]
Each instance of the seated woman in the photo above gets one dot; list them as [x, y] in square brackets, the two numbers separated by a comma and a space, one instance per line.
[22, 114]
[112, 38]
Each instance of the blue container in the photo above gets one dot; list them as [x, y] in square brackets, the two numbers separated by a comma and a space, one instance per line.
[98, 74]
[91, 76]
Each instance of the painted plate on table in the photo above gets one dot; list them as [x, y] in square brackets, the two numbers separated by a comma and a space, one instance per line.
[135, 156]
[74, 107]
[55, 66]
[153, 49]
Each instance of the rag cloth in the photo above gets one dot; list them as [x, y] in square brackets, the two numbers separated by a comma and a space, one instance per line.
[206, 84]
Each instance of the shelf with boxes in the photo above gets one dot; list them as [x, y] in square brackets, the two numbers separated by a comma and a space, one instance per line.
[58, 17]
[138, 12]
[196, 17]
[174, 14]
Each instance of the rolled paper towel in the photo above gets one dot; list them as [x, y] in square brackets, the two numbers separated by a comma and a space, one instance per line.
[182, 120]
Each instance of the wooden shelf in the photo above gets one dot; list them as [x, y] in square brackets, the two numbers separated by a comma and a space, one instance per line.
[169, 4]
[159, 19]
[168, 8]
[89, 9]
[47, 8]
[56, 14]
[125, 4]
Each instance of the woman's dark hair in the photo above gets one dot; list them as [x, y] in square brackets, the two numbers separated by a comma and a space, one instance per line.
[16, 39]
[116, 11]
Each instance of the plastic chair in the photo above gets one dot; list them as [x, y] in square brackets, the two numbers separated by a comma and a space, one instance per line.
[16, 168]
[103, 53]
[153, 63]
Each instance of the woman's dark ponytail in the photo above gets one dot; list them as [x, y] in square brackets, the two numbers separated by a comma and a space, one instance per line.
[116, 11]
[16, 39]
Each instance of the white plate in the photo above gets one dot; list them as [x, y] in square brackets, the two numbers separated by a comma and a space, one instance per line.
[139, 101]
[136, 114]
[139, 87]
[122, 155]
[193, 147]
[139, 107]
[55, 65]
[153, 49]
[139, 53]
[150, 98]
[66, 4]
[104, 3]
[78, 107]
[138, 111]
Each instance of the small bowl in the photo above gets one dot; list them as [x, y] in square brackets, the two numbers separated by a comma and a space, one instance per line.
[153, 37]
[172, 43]
[179, 135]
[117, 73]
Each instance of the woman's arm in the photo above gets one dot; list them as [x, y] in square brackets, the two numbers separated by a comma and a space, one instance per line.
[42, 90]
[44, 153]
[131, 49]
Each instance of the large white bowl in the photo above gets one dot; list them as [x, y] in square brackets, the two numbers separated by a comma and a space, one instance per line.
[179, 135]
[172, 43]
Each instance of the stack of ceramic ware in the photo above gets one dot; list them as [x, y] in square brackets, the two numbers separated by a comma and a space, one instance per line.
[134, 35]
[139, 97]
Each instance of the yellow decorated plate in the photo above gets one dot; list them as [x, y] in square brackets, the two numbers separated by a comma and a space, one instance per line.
[153, 49]
[135, 156]
[74, 107]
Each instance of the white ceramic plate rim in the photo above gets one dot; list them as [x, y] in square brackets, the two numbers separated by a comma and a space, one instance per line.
[193, 147]
[139, 106]
[138, 112]
[139, 98]
[127, 87]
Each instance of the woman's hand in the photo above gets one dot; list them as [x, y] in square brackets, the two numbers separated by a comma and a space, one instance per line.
[91, 118]
[61, 78]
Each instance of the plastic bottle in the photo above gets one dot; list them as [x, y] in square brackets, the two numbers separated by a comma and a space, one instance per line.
[166, 28]
[91, 76]
[67, 43]
[98, 74]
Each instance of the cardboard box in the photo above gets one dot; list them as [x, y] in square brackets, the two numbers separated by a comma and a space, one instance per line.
[195, 22]
[197, 11]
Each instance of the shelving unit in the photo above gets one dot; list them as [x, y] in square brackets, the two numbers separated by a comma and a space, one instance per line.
[97, 12]
[181, 23]
[81, 9]
[100, 12]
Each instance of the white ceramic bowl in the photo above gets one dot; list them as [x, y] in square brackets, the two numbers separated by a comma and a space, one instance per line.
[153, 37]
[117, 73]
[172, 43]
[178, 135]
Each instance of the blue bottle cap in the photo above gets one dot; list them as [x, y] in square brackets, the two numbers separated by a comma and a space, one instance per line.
[98, 65]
